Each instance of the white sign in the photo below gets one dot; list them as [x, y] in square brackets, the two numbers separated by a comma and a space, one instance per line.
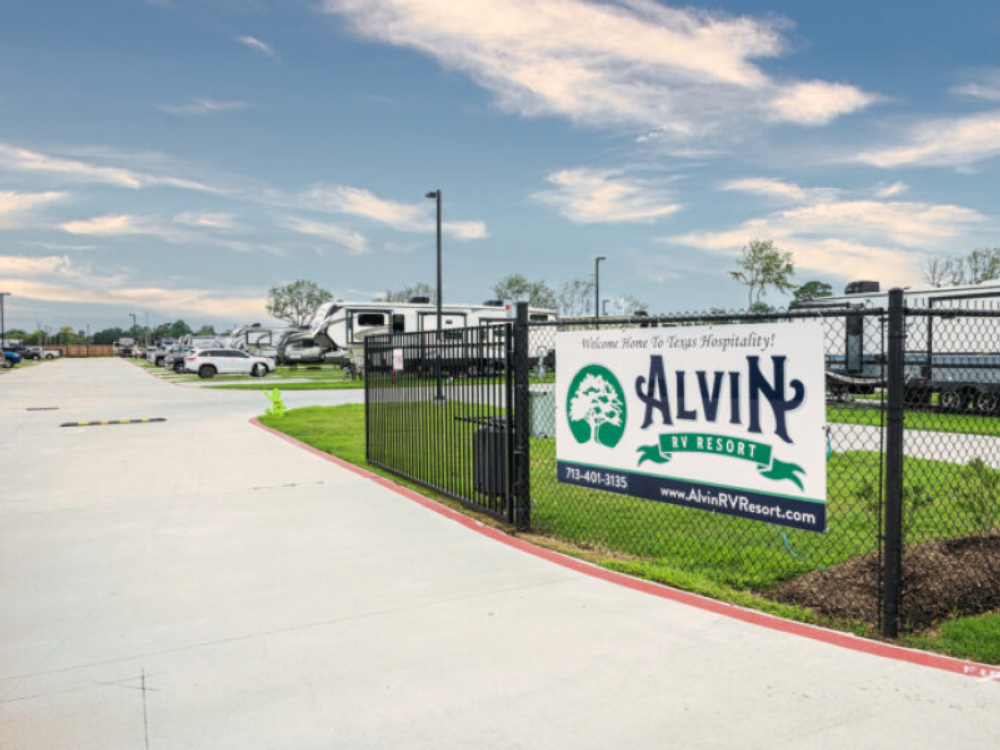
[397, 360]
[729, 419]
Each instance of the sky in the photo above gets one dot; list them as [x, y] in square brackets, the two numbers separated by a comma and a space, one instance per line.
[177, 158]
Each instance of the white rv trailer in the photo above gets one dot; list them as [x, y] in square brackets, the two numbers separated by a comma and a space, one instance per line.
[202, 341]
[956, 356]
[258, 340]
[340, 328]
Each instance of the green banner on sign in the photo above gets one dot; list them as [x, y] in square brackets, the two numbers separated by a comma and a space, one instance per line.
[721, 445]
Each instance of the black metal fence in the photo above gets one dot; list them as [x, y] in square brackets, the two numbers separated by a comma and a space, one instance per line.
[436, 412]
[913, 452]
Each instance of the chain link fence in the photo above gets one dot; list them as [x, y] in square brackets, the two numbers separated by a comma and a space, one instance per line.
[703, 549]
[913, 462]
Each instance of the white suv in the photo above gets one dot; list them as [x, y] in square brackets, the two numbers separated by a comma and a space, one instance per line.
[211, 362]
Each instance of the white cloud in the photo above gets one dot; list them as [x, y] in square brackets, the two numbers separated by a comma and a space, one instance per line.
[678, 71]
[863, 238]
[19, 265]
[463, 230]
[63, 246]
[188, 228]
[256, 44]
[16, 207]
[403, 217]
[592, 196]
[16, 159]
[206, 220]
[109, 225]
[818, 102]
[354, 242]
[986, 88]
[891, 191]
[345, 199]
[60, 279]
[946, 142]
[770, 188]
[201, 105]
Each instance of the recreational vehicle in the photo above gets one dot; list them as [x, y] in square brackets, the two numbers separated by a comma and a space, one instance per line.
[258, 340]
[339, 329]
[949, 352]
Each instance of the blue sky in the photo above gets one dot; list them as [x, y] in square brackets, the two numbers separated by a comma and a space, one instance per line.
[176, 159]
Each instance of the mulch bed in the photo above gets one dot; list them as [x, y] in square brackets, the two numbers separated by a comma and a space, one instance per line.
[940, 579]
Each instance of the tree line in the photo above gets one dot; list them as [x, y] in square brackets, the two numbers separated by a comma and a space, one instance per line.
[762, 268]
[66, 336]
[982, 264]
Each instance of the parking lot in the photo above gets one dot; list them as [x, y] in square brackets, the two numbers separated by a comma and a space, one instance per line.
[200, 583]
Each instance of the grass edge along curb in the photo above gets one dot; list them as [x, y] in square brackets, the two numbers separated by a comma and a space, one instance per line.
[350, 448]
[345, 441]
[817, 628]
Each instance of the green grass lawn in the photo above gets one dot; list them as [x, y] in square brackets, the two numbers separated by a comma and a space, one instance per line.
[270, 383]
[728, 558]
[976, 638]
[319, 379]
[929, 421]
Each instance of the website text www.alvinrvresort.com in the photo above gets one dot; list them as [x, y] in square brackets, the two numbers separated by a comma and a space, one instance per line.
[736, 502]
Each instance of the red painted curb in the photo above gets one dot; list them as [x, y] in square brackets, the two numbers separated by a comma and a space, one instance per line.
[804, 630]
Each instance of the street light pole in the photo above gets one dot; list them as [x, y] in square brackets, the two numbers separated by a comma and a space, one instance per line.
[597, 286]
[3, 323]
[436, 195]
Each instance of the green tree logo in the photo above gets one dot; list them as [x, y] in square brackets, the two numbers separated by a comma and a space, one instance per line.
[596, 407]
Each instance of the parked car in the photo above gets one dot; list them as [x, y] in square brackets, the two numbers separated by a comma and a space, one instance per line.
[175, 358]
[156, 354]
[32, 352]
[10, 359]
[211, 362]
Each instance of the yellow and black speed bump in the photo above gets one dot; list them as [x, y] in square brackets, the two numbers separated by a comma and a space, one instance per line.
[112, 421]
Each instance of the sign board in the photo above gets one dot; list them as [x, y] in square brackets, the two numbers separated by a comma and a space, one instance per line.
[397, 360]
[729, 419]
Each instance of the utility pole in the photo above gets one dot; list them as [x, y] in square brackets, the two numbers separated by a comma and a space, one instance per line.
[597, 286]
[3, 323]
[436, 195]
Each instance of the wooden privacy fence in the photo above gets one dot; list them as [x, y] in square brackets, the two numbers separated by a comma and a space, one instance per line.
[82, 350]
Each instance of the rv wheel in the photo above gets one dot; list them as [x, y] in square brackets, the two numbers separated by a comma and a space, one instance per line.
[951, 400]
[988, 402]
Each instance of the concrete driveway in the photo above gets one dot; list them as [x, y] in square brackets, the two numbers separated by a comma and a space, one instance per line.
[200, 583]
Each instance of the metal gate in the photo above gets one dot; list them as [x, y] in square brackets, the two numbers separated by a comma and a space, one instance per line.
[438, 412]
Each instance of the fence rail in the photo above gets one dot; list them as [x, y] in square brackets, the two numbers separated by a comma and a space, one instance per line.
[913, 459]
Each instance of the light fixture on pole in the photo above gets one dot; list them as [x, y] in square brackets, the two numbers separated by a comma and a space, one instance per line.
[436, 196]
[597, 286]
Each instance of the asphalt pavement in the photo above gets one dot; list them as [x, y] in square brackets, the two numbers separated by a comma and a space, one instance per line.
[201, 583]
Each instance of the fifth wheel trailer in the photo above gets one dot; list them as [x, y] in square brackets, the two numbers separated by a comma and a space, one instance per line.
[952, 357]
[339, 330]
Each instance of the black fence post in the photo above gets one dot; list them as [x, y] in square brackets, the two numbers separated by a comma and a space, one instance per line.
[368, 422]
[522, 438]
[892, 570]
